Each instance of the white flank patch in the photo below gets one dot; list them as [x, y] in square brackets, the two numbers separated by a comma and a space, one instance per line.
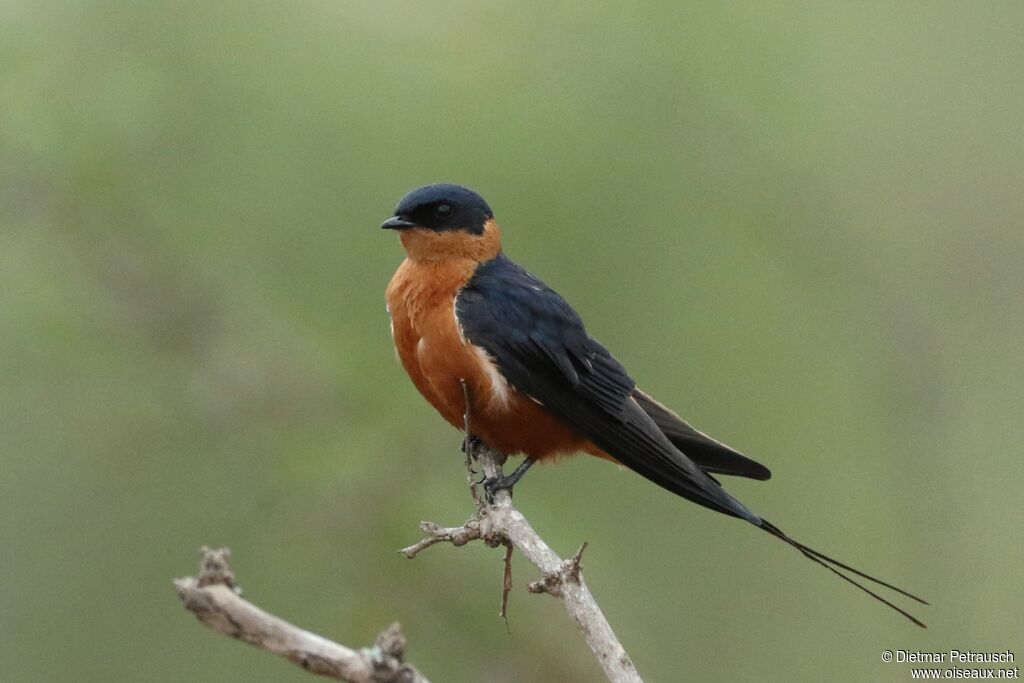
[500, 392]
[455, 316]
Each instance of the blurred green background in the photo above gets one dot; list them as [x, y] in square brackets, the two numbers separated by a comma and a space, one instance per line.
[799, 224]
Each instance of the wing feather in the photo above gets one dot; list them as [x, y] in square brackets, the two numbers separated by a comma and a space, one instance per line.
[709, 454]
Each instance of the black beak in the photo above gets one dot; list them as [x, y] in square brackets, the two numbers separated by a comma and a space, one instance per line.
[397, 223]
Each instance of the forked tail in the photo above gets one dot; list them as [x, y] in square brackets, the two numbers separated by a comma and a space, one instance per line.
[831, 565]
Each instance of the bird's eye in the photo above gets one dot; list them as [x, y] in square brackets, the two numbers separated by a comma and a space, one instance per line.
[443, 210]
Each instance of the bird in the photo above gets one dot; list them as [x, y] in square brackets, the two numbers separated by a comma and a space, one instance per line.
[503, 357]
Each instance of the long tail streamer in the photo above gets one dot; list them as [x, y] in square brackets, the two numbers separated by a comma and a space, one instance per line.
[832, 564]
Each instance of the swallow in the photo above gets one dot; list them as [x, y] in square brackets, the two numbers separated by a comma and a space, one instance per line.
[480, 336]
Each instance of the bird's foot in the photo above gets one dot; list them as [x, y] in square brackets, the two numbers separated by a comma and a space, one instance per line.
[505, 483]
[471, 445]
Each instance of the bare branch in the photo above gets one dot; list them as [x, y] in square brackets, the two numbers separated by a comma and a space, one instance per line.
[468, 447]
[214, 598]
[500, 523]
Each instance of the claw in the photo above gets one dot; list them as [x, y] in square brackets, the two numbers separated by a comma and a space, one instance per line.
[495, 484]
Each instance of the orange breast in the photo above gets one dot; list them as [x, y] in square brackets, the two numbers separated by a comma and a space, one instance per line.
[421, 300]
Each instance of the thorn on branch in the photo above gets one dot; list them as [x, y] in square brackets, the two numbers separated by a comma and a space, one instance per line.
[573, 568]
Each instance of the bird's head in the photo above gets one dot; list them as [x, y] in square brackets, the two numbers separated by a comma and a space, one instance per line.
[445, 221]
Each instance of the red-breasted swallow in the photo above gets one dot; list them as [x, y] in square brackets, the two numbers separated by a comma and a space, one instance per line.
[470, 324]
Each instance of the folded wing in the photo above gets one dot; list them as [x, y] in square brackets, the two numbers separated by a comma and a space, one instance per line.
[709, 455]
[541, 347]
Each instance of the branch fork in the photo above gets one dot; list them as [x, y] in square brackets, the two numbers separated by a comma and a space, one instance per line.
[500, 523]
[552, 583]
[214, 596]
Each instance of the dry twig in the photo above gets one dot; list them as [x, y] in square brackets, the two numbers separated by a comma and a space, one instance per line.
[216, 601]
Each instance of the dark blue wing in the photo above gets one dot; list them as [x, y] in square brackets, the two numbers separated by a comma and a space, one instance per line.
[710, 455]
[541, 347]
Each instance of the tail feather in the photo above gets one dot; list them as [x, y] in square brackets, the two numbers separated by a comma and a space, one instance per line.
[828, 562]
